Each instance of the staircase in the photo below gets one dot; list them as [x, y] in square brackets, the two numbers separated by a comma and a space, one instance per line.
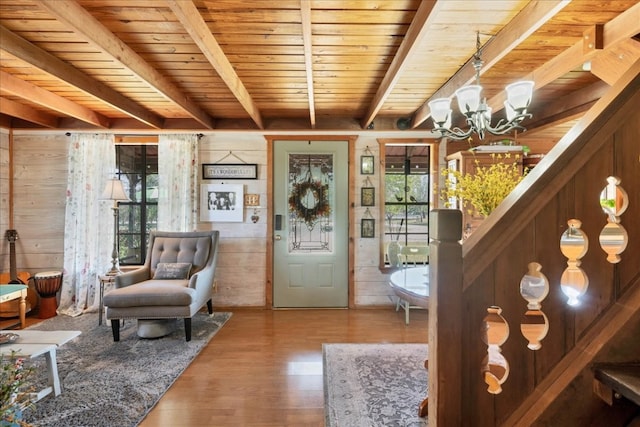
[617, 381]
[553, 385]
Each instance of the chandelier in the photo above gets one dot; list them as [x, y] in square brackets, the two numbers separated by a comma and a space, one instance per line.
[476, 110]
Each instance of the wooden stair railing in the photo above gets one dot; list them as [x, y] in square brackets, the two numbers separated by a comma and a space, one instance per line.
[564, 160]
[578, 359]
[460, 292]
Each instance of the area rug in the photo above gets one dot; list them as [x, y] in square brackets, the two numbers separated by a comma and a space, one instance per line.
[106, 383]
[374, 385]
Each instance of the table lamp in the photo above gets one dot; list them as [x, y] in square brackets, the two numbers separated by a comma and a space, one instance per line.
[114, 191]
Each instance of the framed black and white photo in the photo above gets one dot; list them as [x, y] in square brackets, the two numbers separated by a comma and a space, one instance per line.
[368, 227]
[366, 165]
[221, 202]
[229, 171]
[368, 196]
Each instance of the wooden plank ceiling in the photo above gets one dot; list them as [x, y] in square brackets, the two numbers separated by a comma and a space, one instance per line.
[301, 64]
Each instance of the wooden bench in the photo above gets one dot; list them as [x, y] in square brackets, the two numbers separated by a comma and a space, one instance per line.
[31, 344]
[622, 379]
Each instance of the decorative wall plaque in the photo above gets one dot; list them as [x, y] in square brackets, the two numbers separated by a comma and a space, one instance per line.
[229, 171]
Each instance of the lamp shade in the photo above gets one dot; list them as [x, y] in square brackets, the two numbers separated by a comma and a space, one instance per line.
[469, 99]
[509, 111]
[440, 110]
[114, 190]
[519, 94]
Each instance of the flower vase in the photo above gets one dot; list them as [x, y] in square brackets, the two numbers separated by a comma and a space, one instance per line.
[12, 413]
[393, 250]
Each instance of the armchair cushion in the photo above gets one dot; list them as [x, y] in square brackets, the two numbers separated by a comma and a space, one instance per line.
[172, 270]
[153, 293]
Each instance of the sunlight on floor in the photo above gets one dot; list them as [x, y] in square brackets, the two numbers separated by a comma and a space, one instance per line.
[304, 368]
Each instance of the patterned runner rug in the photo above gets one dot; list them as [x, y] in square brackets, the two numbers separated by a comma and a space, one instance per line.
[106, 383]
[374, 385]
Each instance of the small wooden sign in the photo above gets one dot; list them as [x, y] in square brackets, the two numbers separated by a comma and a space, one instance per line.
[230, 171]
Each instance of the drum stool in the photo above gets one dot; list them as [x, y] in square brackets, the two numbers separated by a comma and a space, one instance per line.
[47, 285]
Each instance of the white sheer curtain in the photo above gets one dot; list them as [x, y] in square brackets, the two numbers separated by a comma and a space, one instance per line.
[88, 234]
[178, 182]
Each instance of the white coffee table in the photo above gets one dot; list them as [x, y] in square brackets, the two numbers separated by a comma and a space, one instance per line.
[31, 344]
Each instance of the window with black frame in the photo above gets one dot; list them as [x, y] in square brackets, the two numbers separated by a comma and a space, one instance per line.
[137, 167]
[407, 200]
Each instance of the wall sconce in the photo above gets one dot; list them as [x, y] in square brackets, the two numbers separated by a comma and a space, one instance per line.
[253, 201]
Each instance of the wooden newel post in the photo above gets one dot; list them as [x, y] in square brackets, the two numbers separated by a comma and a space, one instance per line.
[445, 317]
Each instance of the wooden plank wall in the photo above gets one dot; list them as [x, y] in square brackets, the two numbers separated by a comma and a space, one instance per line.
[4, 198]
[40, 182]
[40, 168]
[241, 271]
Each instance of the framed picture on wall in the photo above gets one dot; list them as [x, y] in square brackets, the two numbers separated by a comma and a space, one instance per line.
[221, 202]
[366, 165]
[367, 196]
[368, 227]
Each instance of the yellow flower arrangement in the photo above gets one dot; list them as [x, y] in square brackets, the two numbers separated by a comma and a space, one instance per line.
[483, 190]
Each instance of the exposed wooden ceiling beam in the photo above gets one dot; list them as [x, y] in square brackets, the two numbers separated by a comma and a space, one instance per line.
[531, 18]
[24, 112]
[566, 108]
[305, 12]
[31, 54]
[187, 13]
[85, 25]
[410, 43]
[37, 95]
[619, 29]
[611, 64]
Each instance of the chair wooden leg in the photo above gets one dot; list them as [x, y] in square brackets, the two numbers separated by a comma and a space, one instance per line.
[210, 307]
[115, 328]
[406, 313]
[423, 410]
[187, 328]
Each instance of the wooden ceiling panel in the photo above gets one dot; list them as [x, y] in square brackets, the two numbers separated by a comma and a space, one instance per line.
[352, 60]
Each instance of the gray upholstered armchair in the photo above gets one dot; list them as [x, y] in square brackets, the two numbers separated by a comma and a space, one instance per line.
[176, 281]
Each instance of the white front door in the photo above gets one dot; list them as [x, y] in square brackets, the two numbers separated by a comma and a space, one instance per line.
[311, 236]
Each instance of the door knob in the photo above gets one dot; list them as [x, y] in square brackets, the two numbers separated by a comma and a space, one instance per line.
[277, 237]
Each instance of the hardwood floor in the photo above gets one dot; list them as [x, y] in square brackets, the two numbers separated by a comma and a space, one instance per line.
[264, 368]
